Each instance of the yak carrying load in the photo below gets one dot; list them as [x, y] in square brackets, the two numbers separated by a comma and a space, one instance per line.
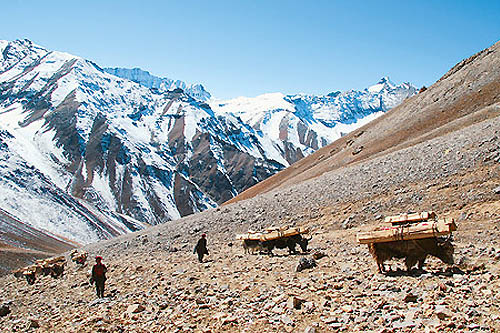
[270, 238]
[411, 236]
[51, 266]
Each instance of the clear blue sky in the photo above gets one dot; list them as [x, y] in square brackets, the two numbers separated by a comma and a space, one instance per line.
[245, 48]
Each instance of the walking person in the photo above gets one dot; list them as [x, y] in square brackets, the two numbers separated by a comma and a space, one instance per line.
[201, 247]
[99, 276]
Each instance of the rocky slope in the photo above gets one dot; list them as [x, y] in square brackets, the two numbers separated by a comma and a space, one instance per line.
[156, 284]
[467, 94]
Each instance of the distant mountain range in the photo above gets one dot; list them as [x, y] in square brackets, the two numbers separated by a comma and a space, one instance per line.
[161, 85]
[89, 153]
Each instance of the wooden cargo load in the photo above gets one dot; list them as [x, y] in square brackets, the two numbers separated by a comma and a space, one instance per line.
[50, 261]
[272, 233]
[410, 218]
[283, 233]
[249, 236]
[426, 229]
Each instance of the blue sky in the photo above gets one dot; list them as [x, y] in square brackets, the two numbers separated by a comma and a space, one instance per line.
[245, 48]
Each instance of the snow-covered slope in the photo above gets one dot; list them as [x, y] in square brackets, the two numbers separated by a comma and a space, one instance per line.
[309, 122]
[115, 145]
[88, 154]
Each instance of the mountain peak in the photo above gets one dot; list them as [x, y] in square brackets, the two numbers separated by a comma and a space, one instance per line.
[385, 79]
[384, 82]
[191, 155]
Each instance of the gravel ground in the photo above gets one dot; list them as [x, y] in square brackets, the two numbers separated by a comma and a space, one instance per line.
[156, 284]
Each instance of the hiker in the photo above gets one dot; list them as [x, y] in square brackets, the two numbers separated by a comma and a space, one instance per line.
[30, 277]
[99, 276]
[201, 247]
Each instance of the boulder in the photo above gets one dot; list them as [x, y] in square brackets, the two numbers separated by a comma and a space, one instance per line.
[286, 320]
[135, 308]
[33, 323]
[317, 254]
[310, 329]
[410, 298]
[4, 310]
[294, 303]
[309, 307]
[497, 190]
[442, 312]
[306, 263]
[403, 324]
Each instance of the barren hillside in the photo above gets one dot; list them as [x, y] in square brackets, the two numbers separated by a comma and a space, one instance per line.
[469, 93]
[20, 244]
[439, 151]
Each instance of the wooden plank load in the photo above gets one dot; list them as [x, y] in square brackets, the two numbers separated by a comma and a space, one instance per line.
[410, 218]
[41, 263]
[250, 235]
[49, 261]
[408, 227]
[272, 233]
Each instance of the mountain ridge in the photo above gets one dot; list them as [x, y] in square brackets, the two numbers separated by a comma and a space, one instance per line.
[125, 155]
[195, 90]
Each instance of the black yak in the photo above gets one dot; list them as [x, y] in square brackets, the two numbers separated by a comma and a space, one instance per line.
[414, 251]
[289, 242]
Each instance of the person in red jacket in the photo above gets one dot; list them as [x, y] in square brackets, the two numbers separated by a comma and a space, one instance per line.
[99, 276]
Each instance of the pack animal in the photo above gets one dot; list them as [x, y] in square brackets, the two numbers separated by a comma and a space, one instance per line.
[53, 267]
[56, 270]
[289, 242]
[79, 258]
[252, 245]
[30, 277]
[413, 251]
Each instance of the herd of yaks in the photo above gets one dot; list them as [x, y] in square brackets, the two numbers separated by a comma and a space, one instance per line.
[51, 266]
[414, 246]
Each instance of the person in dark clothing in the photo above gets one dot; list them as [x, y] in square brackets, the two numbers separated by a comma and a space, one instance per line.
[201, 247]
[99, 276]
[30, 277]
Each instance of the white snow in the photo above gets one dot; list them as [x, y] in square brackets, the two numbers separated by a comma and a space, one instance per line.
[34, 144]
[385, 82]
[101, 184]
[166, 196]
[3, 45]
[251, 109]
[135, 114]
[43, 214]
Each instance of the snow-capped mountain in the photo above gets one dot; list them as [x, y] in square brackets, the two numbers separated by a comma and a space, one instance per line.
[197, 91]
[87, 154]
[301, 123]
